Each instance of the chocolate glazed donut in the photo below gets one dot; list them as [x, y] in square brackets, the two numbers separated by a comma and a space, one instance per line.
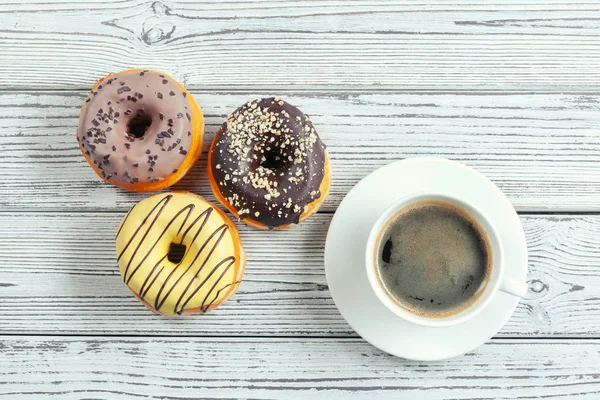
[268, 165]
[140, 130]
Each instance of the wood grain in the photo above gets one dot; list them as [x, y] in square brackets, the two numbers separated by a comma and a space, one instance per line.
[176, 368]
[58, 274]
[541, 149]
[509, 87]
[414, 44]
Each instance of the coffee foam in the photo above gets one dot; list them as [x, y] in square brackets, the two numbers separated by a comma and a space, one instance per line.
[450, 260]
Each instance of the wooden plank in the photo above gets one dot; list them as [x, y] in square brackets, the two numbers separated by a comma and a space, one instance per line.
[413, 44]
[177, 368]
[58, 274]
[542, 150]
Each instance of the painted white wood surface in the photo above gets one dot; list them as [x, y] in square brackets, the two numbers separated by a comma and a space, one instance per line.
[320, 43]
[212, 368]
[58, 274]
[509, 87]
[541, 149]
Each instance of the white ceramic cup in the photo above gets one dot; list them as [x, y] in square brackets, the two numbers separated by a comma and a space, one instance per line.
[497, 279]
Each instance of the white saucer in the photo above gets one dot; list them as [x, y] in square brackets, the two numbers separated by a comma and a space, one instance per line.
[346, 245]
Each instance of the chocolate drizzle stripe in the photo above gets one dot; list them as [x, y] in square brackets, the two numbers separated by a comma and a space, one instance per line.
[142, 293]
[223, 229]
[189, 267]
[191, 296]
[189, 208]
[205, 306]
[186, 218]
[124, 221]
[206, 214]
[154, 280]
[166, 200]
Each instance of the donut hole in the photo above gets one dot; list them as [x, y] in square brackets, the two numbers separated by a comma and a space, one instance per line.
[273, 160]
[176, 252]
[139, 124]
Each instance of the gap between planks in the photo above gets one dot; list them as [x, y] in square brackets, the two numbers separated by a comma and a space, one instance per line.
[389, 89]
[338, 337]
[324, 212]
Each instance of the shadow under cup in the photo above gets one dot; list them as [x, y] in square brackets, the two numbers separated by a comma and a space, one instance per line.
[479, 296]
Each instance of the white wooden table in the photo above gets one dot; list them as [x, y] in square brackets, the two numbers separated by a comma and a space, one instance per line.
[511, 88]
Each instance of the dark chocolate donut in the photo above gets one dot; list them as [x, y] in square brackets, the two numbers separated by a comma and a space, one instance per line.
[267, 163]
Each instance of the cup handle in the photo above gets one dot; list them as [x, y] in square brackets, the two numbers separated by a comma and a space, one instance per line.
[513, 286]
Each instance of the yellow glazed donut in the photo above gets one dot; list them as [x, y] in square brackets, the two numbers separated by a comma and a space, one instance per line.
[212, 265]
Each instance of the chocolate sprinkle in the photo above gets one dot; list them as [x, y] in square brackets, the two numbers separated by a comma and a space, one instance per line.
[112, 127]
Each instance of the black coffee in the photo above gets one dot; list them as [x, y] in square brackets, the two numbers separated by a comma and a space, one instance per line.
[433, 259]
